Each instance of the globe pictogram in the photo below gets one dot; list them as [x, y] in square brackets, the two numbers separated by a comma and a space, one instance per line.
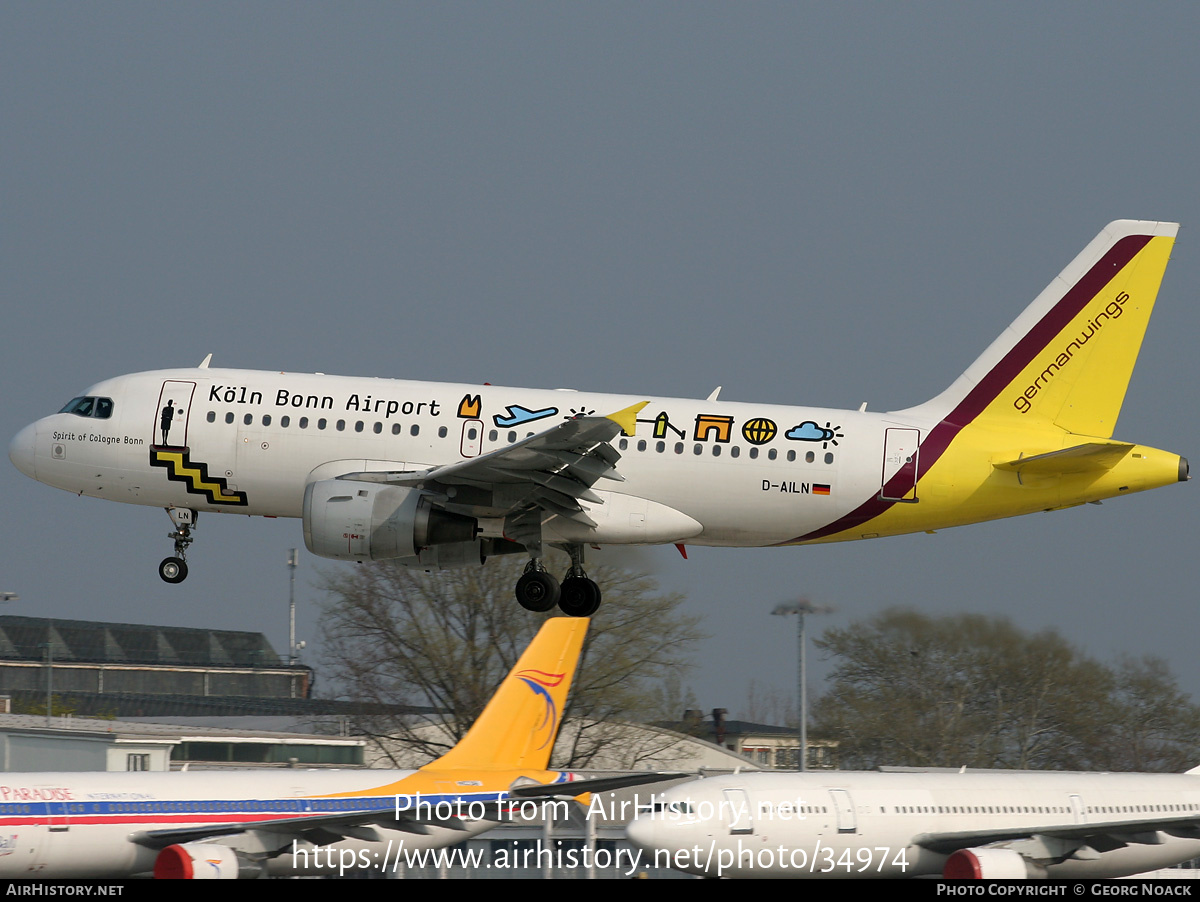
[759, 431]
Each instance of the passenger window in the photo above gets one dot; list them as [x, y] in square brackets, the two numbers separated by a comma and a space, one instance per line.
[304, 422]
[266, 419]
[341, 425]
[716, 450]
[414, 429]
[212, 416]
[642, 445]
[679, 447]
[699, 449]
[248, 419]
[378, 428]
[809, 457]
[772, 454]
[442, 432]
[321, 423]
[395, 428]
[735, 451]
[623, 444]
[512, 437]
[229, 417]
[660, 447]
[493, 435]
[285, 422]
[791, 455]
[358, 427]
[754, 454]
[828, 457]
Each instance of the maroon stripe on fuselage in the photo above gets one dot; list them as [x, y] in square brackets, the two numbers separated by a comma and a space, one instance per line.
[1002, 374]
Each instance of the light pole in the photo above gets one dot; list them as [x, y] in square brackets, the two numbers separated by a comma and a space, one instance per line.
[800, 608]
[292, 563]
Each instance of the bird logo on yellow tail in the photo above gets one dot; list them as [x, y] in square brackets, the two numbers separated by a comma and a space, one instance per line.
[541, 683]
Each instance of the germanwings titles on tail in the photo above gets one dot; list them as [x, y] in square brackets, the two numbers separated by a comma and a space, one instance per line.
[439, 475]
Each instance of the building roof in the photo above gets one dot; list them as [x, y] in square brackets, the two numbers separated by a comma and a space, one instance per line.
[166, 732]
[25, 638]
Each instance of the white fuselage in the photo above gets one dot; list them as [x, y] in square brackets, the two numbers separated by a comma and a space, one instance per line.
[82, 825]
[267, 435]
[878, 824]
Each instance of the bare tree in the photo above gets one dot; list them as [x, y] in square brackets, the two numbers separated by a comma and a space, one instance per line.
[909, 689]
[396, 636]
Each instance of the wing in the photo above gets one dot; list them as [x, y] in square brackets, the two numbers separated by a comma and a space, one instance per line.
[322, 829]
[1053, 844]
[319, 829]
[545, 475]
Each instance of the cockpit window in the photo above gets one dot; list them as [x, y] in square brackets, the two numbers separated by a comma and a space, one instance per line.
[100, 408]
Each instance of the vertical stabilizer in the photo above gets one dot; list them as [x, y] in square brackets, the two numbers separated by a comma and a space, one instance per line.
[518, 727]
[1067, 359]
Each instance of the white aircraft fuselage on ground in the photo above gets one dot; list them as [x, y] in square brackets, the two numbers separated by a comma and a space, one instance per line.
[119, 825]
[226, 825]
[969, 824]
[440, 475]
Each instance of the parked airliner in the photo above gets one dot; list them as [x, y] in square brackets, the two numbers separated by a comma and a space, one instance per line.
[204, 825]
[924, 822]
[439, 475]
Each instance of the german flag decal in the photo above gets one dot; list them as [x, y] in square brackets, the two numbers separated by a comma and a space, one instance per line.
[194, 475]
[820, 489]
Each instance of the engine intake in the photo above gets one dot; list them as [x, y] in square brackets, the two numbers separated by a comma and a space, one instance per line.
[204, 861]
[990, 864]
[365, 521]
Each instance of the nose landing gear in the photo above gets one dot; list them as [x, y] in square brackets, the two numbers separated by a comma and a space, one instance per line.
[174, 569]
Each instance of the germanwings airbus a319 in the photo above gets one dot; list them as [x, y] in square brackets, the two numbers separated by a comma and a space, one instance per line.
[439, 475]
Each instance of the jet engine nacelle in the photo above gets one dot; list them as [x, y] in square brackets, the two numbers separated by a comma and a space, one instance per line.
[366, 521]
[990, 864]
[204, 861]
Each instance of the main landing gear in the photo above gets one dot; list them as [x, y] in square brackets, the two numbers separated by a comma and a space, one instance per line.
[174, 569]
[577, 596]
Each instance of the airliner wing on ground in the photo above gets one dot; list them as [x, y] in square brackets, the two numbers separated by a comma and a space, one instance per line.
[437, 475]
[957, 824]
[250, 823]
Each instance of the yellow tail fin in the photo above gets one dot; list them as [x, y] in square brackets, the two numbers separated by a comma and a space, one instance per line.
[1067, 359]
[518, 727]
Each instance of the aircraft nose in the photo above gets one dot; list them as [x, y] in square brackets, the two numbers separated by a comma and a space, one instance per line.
[641, 832]
[21, 450]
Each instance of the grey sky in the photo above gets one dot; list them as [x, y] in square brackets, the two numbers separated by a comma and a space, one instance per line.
[804, 203]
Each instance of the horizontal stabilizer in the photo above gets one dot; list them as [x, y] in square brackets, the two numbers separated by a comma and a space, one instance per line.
[592, 784]
[1077, 459]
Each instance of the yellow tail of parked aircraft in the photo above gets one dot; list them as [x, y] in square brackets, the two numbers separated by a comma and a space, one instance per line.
[435, 475]
[211, 825]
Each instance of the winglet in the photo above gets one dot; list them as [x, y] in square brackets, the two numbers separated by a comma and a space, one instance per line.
[518, 727]
[205, 362]
[627, 418]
